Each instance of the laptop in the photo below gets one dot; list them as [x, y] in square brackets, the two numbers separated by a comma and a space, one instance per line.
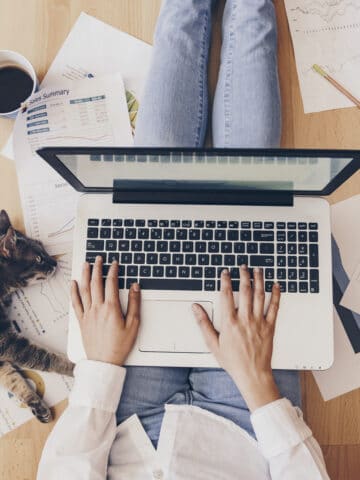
[174, 218]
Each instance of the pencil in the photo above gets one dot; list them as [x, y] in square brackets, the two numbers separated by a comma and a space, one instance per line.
[337, 85]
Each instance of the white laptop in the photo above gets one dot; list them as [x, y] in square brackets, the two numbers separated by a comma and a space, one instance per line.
[174, 218]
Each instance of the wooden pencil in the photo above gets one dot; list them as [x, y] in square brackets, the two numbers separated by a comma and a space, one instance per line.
[337, 85]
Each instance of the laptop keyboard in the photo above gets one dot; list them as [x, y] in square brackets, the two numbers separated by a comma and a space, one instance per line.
[174, 254]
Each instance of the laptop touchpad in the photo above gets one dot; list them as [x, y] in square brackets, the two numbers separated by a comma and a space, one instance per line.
[170, 326]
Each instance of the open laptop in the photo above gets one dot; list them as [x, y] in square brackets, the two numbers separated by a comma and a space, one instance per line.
[174, 218]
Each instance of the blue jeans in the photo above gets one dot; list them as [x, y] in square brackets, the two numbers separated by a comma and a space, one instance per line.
[174, 113]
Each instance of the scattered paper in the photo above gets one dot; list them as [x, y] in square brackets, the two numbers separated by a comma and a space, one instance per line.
[40, 313]
[344, 375]
[82, 112]
[351, 298]
[326, 33]
[95, 48]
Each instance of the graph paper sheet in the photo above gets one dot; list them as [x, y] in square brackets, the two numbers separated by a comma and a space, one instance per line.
[81, 112]
[326, 32]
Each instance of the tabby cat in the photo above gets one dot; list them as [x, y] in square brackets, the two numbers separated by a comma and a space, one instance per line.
[23, 262]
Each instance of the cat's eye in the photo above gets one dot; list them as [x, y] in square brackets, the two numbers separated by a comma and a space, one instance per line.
[38, 259]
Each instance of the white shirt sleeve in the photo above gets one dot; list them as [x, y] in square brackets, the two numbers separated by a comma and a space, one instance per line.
[79, 444]
[288, 443]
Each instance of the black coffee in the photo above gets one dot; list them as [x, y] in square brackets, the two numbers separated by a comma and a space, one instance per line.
[15, 86]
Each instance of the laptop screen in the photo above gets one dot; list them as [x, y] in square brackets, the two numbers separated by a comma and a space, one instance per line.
[208, 169]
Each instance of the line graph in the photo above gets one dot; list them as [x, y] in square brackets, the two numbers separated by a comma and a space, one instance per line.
[327, 10]
[67, 227]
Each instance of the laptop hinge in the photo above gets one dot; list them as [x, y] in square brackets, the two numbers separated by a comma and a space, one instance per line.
[160, 192]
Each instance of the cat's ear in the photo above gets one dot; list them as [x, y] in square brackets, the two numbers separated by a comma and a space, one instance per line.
[8, 243]
[4, 222]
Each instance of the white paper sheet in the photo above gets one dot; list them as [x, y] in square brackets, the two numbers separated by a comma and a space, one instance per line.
[81, 112]
[94, 48]
[351, 297]
[40, 313]
[344, 375]
[326, 33]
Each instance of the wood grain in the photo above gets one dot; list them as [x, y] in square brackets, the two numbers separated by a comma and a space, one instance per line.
[37, 29]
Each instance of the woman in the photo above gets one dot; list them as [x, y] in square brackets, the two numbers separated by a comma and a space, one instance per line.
[213, 416]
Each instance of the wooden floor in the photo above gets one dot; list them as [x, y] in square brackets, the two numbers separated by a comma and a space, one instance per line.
[37, 28]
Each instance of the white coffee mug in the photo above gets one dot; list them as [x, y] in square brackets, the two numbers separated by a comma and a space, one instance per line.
[8, 58]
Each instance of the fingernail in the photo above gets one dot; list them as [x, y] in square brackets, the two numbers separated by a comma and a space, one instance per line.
[277, 285]
[98, 258]
[195, 308]
[225, 271]
[257, 270]
[243, 266]
[114, 262]
[136, 287]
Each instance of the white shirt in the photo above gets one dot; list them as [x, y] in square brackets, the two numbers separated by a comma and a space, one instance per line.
[194, 444]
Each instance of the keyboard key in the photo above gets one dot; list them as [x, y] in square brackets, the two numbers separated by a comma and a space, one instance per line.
[186, 223]
[117, 222]
[140, 223]
[281, 261]
[216, 260]
[313, 236]
[121, 283]
[156, 233]
[292, 249]
[199, 224]
[292, 287]
[221, 224]
[210, 272]
[292, 261]
[242, 260]
[281, 274]
[282, 287]
[143, 233]
[92, 232]
[213, 247]
[257, 225]
[280, 225]
[158, 271]
[95, 245]
[234, 273]
[303, 287]
[137, 245]
[226, 247]
[152, 258]
[126, 257]
[281, 248]
[178, 258]
[207, 234]
[165, 258]
[170, 284]
[313, 226]
[169, 234]
[261, 261]
[314, 286]
[269, 273]
[209, 285]
[132, 271]
[239, 247]
[145, 271]
[233, 235]
[188, 246]
[118, 233]
[130, 232]
[302, 226]
[210, 224]
[184, 272]
[204, 259]
[291, 236]
[269, 225]
[268, 286]
[196, 272]
[303, 274]
[139, 258]
[91, 256]
[106, 222]
[252, 248]
[303, 261]
[245, 235]
[129, 222]
[162, 246]
[111, 245]
[123, 245]
[190, 259]
[93, 222]
[170, 272]
[292, 274]
[229, 260]
[314, 255]
[302, 236]
[291, 225]
[149, 246]
[220, 234]
[263, 236]
[267, 248]
[175, 223]
[281, 236]
[129, 282]
[200, 247]
[302, 249]
[246, 225]
[235, 285]
[181, 234]
[233, 224]
[163, 223]
[314, 274]
[175, 246]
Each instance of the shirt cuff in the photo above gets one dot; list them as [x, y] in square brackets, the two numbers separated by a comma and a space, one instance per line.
[278, 427]
[97, 385]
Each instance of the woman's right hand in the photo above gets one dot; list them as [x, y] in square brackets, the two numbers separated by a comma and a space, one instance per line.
[244, 345]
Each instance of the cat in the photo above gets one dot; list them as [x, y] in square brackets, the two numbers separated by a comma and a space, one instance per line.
[23, 262]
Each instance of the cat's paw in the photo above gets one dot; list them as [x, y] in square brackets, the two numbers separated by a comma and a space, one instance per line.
[41, 411]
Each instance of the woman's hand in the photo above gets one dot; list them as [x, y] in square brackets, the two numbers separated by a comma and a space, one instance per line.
[107, 334]
[244, 345]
